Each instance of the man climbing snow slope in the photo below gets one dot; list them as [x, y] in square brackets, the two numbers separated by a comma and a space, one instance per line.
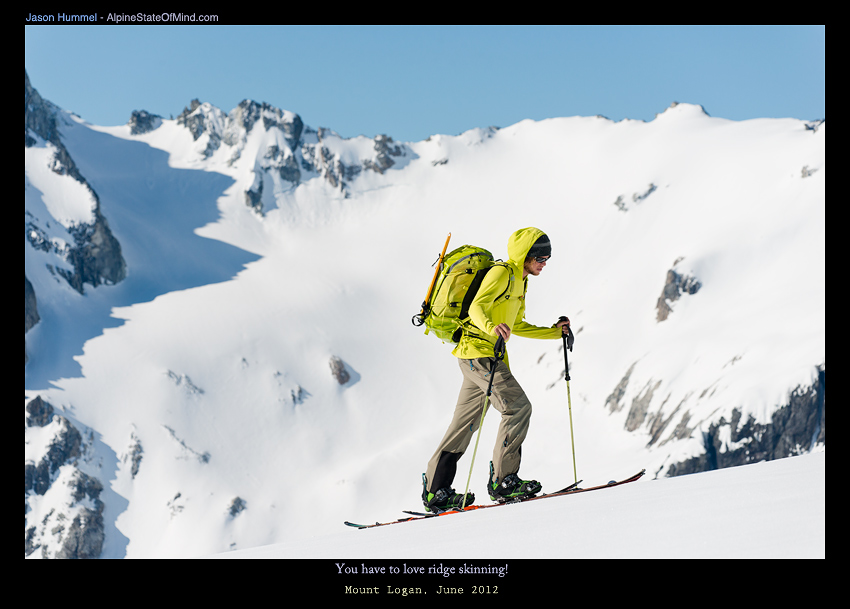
[497, 311]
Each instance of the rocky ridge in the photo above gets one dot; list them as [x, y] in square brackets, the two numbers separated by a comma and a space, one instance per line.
[289, 153]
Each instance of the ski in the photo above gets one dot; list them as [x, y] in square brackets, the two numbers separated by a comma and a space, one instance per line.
[573, 486]
[572, 489]
[377, 524]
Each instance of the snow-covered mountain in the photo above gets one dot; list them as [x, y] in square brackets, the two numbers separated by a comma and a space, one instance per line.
[219, 348]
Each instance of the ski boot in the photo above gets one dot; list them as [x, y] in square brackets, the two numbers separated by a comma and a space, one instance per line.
[511, 488]
[444, 499]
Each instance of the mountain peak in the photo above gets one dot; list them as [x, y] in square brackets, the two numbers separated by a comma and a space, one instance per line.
[678, 109]
[142, 121]
[286, 150]
[204, 117]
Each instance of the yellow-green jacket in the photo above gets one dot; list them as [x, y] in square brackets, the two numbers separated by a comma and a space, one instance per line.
[501, 299]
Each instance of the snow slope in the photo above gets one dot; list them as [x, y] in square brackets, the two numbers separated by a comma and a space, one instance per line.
[773, 509]
[213, 355]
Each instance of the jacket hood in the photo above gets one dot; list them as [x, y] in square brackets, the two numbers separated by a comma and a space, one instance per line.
[520, 242]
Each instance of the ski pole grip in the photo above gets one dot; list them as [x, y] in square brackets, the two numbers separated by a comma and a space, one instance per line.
[499, 348]
[568, 337]
[568, 346]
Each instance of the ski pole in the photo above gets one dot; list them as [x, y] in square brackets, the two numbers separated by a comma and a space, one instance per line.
[499, 354]
[568, 339]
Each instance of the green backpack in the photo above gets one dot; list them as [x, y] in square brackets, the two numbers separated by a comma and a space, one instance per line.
[445, 310]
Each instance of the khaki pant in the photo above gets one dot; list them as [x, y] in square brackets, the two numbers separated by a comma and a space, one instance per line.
[508, 398]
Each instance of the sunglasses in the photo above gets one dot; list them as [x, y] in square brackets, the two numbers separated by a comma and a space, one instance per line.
[541, 258]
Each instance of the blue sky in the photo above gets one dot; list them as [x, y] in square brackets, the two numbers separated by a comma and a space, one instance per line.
[411, 82]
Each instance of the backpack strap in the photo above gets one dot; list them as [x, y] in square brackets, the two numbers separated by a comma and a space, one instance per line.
[473, 291]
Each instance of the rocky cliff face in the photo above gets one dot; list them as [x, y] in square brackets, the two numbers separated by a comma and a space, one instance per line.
[73, 526]
[94, 254]
[795, 428]
[30, 311]
[89, 252]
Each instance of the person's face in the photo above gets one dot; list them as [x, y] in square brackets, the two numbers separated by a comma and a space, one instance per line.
[533, 266]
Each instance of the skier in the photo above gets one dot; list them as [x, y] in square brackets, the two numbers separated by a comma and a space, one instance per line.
[497, 311]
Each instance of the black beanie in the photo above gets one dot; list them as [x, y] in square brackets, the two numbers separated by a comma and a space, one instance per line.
[541, 247]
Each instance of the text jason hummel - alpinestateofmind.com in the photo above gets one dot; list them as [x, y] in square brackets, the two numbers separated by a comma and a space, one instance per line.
[120, 18]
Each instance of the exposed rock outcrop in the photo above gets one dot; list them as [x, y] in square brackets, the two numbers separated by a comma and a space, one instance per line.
[142, 121]
[338, 370]
[95, 255]
[237, 506]
[677, 283]
[31, 316]
[795, 428]
[72, 524]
